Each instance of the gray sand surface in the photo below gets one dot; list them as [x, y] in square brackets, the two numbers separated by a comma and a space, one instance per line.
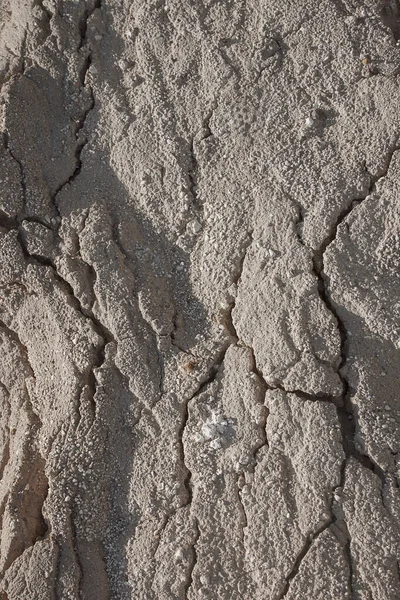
[200, 300]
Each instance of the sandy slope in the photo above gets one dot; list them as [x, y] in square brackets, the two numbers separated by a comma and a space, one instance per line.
[200, 299]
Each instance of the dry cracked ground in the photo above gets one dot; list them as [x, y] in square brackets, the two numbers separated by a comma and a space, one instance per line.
[200, 299]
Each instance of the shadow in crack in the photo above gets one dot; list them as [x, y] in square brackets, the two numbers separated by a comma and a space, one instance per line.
[58, 166]
[164, 292]
[390, 14]
[371, 371]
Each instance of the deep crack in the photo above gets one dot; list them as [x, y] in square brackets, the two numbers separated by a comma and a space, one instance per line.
[346, 413]
[81, 141]
[103, 333]
[303, 553]
[47, 17]
[347, 547]
[14, 223]
[24, 350]
[7, 146]
[212, 374]
[254, 367]
[242, 509]
[193, 563]
[193, 174]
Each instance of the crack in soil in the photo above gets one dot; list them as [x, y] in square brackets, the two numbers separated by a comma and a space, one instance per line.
[303, 553]
[15, 224]
[81, 141]
[189, 581]
[192, 174]
[242, 509]
[254, 367]
[212, 374]
[35, 422]
[7, 147]
[103, 333]
[24, 350]
[101, 330]
[346, 413]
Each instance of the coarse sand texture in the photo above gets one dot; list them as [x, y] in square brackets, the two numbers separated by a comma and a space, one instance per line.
[200, 300]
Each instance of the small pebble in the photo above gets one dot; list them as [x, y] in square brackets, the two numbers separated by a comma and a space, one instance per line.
[179, 554]
[215, 444]
[193, 226]
[208, 431]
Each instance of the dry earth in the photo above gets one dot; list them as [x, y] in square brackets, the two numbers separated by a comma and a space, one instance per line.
[200, 299]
